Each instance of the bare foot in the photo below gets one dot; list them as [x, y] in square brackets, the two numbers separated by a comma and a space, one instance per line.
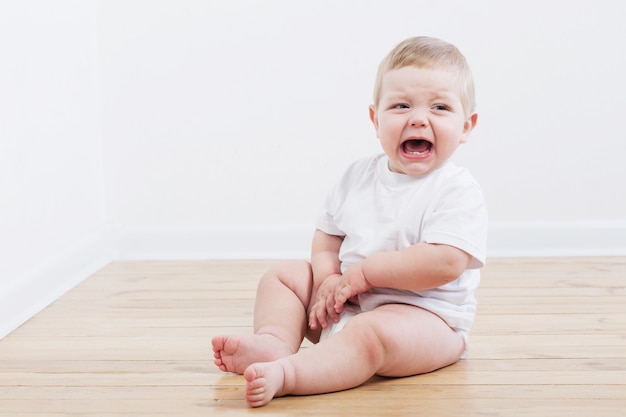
[234, 353]
[264, 381]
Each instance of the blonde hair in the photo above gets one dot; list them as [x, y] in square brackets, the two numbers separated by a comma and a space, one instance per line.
[430, 53]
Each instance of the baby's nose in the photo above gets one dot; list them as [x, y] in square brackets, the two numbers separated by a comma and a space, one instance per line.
[418, 118]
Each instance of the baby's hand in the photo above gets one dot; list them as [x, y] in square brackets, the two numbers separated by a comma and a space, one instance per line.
[323, 307]
[352, 283]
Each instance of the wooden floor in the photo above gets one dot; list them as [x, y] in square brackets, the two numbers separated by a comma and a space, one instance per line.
[134, 340]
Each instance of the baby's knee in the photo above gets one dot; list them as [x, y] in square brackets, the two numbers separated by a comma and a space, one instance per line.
[296, 275]
[364, 333]
[288, 269]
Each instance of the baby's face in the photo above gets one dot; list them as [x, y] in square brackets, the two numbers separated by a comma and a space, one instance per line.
[420, 119]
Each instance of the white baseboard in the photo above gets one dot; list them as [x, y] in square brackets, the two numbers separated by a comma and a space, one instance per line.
[38, 287]
[525, 239]
[506, 239]
[234, 241]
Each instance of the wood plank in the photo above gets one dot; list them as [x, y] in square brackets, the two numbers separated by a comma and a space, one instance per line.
[134, 339]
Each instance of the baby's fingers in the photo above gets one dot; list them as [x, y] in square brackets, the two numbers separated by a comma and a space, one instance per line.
[318, 316]
[314, 321]
[341, 298]
[331, 312]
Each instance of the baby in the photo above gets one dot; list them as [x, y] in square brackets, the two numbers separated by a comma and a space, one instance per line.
[395, 258]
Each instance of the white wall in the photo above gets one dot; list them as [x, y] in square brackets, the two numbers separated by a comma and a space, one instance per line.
[52, 214]
[189, 129]
[244, 112]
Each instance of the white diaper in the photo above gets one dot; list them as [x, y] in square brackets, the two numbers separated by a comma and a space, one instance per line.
[349, 311]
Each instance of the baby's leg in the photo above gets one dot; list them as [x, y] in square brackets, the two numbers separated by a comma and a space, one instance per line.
[280, 321]
[392, 340]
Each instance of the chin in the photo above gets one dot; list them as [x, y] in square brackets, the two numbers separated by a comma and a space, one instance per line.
[414, 169]
[412, 172]
[417, 174]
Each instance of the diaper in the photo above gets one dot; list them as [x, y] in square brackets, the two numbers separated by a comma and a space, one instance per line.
[349, 311]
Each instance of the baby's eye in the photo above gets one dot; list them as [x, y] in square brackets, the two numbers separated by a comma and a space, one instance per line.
[400, 106]
[441, 107]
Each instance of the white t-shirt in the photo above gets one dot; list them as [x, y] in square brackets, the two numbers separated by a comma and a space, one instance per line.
[379, 210]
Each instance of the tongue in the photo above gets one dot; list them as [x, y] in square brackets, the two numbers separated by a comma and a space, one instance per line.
[417, 146]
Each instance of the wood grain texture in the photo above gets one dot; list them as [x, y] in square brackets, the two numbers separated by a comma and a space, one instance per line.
[134, 340]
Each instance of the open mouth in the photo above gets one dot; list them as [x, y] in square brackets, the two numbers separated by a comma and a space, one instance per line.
[417, 147]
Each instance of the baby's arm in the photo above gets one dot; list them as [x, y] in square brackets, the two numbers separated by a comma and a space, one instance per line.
[418, 267]
[325, 256]
[326, 273]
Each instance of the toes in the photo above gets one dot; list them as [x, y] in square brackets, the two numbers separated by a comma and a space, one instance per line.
[256, 391]
[250, 374]
[257, 396]
[254, 404]
[257, 401]
[256, 387]
[218, 343]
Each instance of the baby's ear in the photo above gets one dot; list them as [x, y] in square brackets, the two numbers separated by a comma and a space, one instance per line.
[468, 126]
[374, 117]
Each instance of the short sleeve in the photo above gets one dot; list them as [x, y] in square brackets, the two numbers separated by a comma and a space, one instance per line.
[458, 217]
[326, 218]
